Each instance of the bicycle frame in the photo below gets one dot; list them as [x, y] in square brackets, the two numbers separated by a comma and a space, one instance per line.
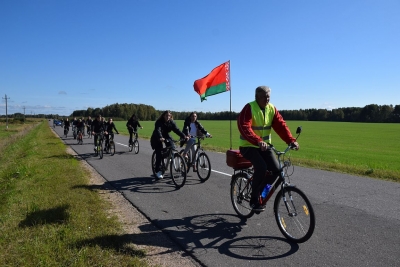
[281, 178]
[197, 151]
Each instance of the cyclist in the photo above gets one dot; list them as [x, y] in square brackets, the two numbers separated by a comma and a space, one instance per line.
[192, 127]
[66, 124]
[254, 123]
[162, 127]
[109, 131]
[84, 124]
[132, 125]
[80, 126]
[89, 122]
[74, 122]
[97, 128]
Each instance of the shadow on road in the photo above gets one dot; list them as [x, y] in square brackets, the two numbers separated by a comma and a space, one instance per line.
[198, 234]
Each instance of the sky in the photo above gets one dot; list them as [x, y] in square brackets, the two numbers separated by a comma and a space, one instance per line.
[57, 56]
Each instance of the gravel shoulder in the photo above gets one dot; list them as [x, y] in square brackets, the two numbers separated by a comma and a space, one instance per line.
[160, 249]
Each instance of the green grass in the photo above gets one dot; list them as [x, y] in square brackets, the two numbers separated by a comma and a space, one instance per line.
[50, 215]
[367, 149]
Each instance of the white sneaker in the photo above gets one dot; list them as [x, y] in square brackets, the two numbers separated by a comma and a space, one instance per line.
[159, 175]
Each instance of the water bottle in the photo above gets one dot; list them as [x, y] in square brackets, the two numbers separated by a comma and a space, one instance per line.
[265, 192]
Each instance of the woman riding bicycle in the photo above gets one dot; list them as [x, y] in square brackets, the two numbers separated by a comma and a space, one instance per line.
[254, 123]
[109, 131]
[163, 126]
[192, 127]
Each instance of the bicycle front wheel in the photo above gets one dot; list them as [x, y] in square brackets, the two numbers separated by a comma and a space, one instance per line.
[178, 170]
[240, 195]
[136, 146]
[111, 148]
[203, 167]
[294, 214]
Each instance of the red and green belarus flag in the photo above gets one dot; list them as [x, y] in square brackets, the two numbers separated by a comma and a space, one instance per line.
[218, 81]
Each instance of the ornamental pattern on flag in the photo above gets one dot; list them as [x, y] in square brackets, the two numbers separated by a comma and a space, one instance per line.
[217, 81]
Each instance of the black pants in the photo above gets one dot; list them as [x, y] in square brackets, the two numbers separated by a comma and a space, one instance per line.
[131, 133]
[158, 147]
[262, 161]
[108, 138]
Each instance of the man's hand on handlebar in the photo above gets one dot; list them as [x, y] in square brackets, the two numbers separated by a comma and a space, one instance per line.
[262, 145]
[294, 146]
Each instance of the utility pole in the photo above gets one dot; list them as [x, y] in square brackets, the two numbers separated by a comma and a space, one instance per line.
[24, 114]
[6, 111]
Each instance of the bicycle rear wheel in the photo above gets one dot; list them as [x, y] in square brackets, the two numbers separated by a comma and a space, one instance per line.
[100, 150]
[153, 163]
[136, 146]
[111, 148]
[240, 195]
[203, 167]
[178, 170]
[294, 214]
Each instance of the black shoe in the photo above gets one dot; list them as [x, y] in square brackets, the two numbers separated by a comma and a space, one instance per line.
[257, 207]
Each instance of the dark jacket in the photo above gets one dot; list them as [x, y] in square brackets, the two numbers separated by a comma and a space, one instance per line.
[132, 124]
[98, 126]
[162, 130]
[80, 124]
[110, 127]
[186, 127]
[66, 124]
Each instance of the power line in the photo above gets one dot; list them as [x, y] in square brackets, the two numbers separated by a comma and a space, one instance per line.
[6, 98]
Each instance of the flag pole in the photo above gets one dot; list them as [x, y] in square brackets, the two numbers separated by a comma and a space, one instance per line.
[230, 104]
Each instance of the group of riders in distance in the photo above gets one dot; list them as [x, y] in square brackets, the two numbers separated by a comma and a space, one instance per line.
[99, 128]
[259, 168]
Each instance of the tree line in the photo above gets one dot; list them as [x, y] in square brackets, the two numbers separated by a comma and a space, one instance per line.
[369, 113]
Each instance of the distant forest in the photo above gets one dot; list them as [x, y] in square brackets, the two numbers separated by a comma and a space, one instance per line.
[369, 113]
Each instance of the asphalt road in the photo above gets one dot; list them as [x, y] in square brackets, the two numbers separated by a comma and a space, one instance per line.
[357, 218]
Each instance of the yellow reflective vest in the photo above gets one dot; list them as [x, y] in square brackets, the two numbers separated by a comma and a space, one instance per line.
[260, 123]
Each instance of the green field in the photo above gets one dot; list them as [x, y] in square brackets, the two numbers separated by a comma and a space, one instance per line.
[368, 149]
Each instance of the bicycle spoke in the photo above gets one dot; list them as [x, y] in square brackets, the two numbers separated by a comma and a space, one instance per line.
[240, 196]
[178, 170]
[203, 167]
[294, 215]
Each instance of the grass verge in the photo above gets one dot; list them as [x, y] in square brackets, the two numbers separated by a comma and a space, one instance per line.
[49, 215]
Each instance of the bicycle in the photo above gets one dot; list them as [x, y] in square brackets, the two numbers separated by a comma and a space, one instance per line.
[293, 211]
[175, 161]
[202, 161]
[66, 130]
[99, 145]
[80, 137]
[89, 131]
[110, 145]
[134, 144]
[74, 131]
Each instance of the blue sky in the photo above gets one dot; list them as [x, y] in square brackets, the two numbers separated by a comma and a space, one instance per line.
[57, 56]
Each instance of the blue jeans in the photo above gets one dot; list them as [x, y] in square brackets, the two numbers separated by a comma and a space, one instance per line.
[189, 145]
